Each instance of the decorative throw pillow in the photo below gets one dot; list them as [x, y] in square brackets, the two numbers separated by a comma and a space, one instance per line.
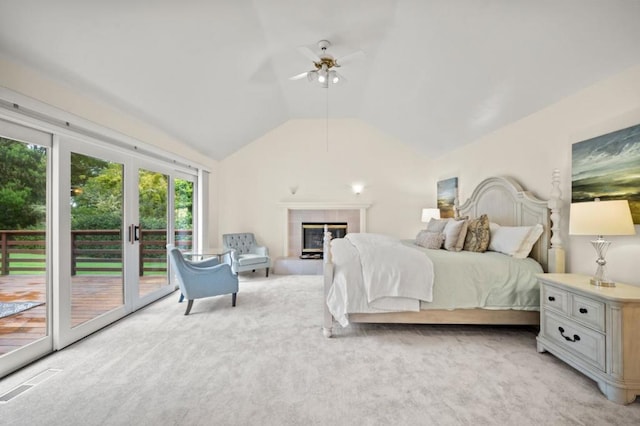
[478, 234]
[515, 241]
[430, 240]
[455, 232]
[437, 225]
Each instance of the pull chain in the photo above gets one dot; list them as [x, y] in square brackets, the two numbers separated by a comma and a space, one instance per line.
[327, 114]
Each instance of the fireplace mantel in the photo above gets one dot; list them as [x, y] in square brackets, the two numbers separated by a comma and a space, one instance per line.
[320, 206]
[313, 205]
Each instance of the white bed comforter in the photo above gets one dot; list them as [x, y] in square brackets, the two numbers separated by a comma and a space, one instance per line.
[394, 277]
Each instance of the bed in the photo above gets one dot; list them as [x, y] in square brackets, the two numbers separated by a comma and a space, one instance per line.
[488, 301]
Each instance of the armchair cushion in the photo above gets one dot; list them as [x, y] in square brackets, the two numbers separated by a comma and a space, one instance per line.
[251, 259]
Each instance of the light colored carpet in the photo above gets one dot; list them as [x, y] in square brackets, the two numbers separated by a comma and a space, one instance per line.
[265, 362]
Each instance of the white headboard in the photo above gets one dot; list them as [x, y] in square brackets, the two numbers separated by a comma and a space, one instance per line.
[504, 201]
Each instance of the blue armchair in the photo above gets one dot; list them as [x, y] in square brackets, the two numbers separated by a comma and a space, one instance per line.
[246, 254]
[206, 278]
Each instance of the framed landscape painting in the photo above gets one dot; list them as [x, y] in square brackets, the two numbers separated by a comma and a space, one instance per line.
[447, 194]
[608, 167]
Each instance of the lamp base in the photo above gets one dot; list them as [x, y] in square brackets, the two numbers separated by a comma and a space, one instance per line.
[602, 282]
[600, 278]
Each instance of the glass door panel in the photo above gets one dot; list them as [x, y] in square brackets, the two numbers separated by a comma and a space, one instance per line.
[97, 273]
[153, 209]
[183, 214]
[25, 306]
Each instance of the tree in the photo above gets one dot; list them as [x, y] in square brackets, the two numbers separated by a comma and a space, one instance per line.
[183, 204]
[96, 192]
[97, 202]
[153, 189]
[23, 188]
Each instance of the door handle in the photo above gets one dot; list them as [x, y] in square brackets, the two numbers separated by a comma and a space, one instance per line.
[134, 233]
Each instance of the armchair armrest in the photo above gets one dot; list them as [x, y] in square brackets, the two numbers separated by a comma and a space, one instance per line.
[260, 250]
[212, 261]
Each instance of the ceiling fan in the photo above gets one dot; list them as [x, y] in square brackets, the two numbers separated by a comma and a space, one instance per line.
[325, 65]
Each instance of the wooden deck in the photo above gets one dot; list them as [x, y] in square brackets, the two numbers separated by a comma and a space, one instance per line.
[91, 296]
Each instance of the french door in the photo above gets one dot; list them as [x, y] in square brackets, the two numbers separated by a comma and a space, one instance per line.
[83, 232]
[117, 222]
[150, 231]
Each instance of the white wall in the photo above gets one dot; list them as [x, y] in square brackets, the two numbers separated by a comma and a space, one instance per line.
[531, 148]
[255, 179]
[399, 181]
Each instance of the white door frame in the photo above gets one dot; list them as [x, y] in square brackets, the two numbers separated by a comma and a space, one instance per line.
[64, 333]
[15, 359]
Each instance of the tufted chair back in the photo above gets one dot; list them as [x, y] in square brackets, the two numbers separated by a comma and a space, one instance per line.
[246, 254]
[242, 243]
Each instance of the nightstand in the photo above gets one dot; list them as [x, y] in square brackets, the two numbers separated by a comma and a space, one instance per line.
[596, 330]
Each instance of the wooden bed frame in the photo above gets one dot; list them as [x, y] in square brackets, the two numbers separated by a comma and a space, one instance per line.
[506, 203]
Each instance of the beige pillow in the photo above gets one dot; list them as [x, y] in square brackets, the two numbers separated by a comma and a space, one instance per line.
[478, 234]
[437, 225]
[455, 232]
[430, 240]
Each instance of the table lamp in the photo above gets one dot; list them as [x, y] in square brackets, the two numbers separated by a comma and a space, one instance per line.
[601, 218]
[428, 214]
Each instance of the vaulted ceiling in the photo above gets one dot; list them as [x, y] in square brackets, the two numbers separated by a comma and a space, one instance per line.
[437, 74]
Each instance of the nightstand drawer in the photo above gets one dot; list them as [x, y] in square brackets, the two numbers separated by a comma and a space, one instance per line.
[585, 343]
[555, 299]
[588, 311]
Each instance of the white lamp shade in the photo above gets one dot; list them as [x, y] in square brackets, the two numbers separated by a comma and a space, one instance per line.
[428, 214]
[601, 218]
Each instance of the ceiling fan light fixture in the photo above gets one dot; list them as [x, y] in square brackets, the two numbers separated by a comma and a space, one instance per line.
[323, 73]
[325, 65]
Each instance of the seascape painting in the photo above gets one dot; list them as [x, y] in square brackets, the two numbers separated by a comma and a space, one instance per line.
[608, 167]
[447, 194]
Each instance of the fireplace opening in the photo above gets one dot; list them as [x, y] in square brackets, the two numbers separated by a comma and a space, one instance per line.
[313, 237]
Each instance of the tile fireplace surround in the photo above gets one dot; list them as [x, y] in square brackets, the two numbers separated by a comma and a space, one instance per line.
[296, 213]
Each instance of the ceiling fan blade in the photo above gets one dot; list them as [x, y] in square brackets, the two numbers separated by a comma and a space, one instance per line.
[349, 57]
[299, 76]
[309, 53]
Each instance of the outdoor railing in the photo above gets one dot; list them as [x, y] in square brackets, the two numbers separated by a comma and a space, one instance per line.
[92, 251]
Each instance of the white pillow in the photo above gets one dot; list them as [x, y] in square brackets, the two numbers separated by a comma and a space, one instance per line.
[529, 242]
[516, 241]
[455, 232]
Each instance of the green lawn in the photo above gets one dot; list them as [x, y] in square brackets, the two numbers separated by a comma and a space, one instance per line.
[15, 262]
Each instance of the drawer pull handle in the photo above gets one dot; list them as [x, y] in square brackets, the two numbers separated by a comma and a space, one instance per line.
[576, 338]
[552, 299]
[583, 310]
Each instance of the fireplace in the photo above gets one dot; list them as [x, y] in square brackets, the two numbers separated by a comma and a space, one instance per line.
[313, 237]
[295, 214]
